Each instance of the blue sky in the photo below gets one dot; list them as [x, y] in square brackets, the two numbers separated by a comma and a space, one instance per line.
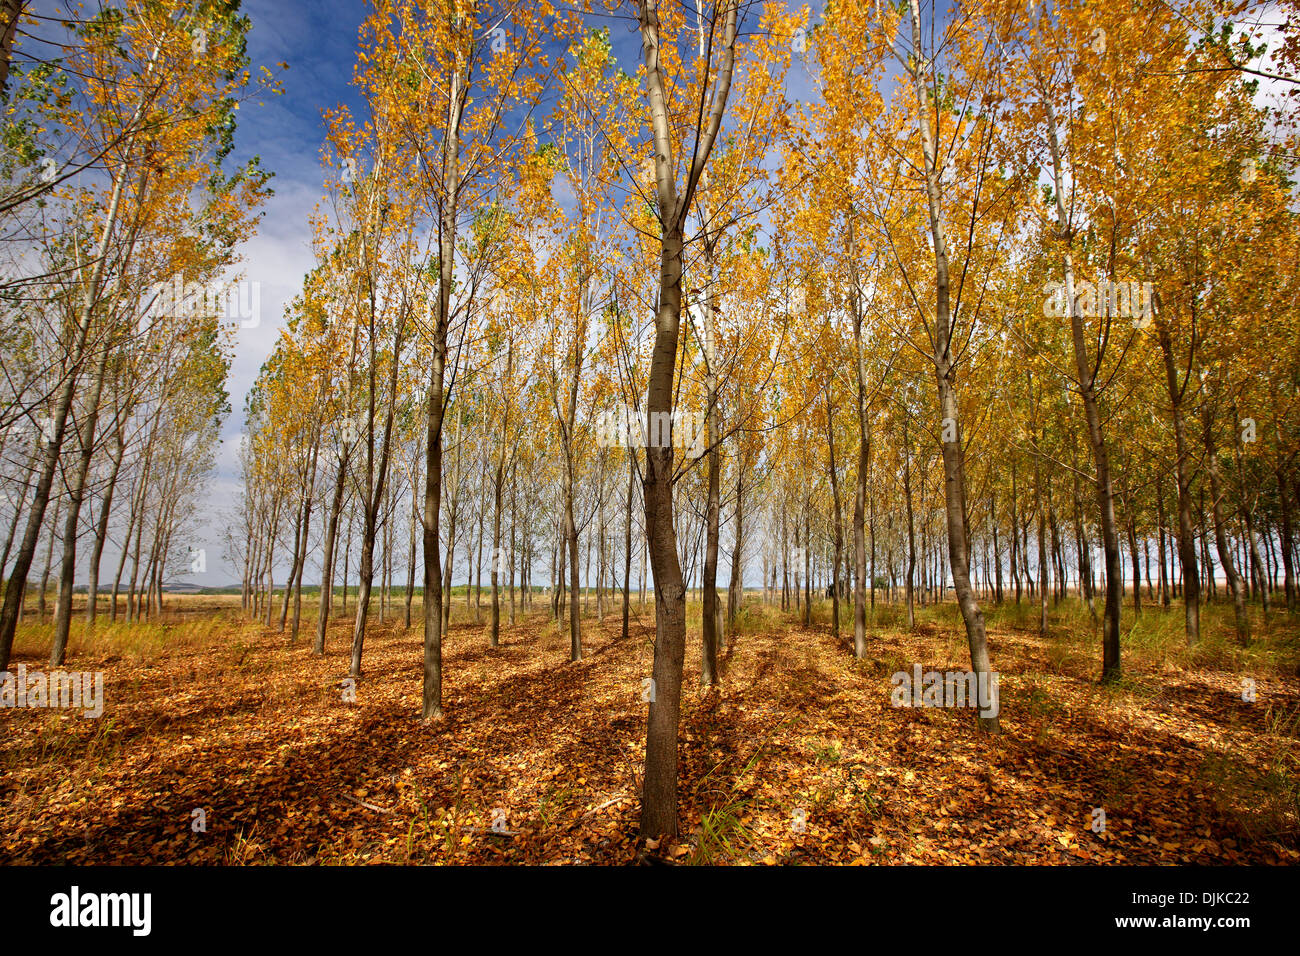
[318, 40]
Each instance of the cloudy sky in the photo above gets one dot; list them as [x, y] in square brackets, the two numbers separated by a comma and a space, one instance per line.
[318, 40]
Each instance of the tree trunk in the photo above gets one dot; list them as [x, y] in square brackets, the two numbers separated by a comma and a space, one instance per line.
[839, 522]
[101, 529]
[1086, 372]
[945, 375]
[1220, 536]
[63, 615]
[1186, 536]
[659, 789]
[17, 582]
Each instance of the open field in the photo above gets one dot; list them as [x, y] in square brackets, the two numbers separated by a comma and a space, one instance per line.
[799, 756]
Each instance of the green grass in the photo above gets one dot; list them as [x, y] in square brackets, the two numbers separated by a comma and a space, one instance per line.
[721, 834]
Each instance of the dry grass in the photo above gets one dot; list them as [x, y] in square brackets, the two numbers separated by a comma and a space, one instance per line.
[798, 757]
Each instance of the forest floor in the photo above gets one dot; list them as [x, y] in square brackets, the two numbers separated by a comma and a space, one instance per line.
[799, 756]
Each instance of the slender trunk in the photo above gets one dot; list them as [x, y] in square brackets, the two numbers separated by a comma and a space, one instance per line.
[839, 522]
[63, 614]
[63, 406]
[101, 529]
[627, 539]
[860, 492]
[1220, 535]
[709, 585]
[498, 481]
[1086, 372]
[1287, 543]
[736, 589]
[911, 530]
[659, 789]
[327, 562]
[1183, 475]
[997, 553]
[945, 376]
[1041, 508]
[1160, 539]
